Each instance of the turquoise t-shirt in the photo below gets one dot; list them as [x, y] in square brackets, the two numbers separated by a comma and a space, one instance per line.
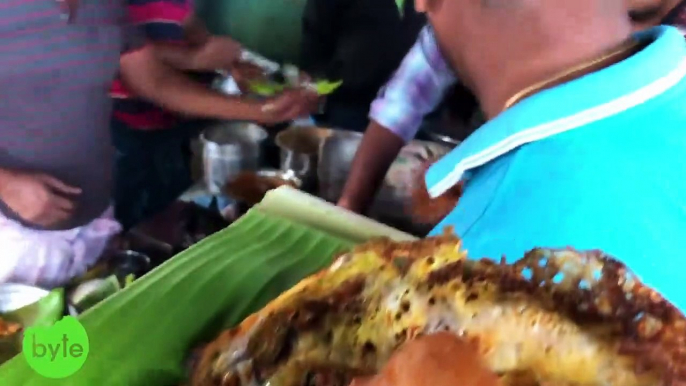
[596, 163]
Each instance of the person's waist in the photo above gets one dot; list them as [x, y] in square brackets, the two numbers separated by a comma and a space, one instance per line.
[87, 210]
[91, 172]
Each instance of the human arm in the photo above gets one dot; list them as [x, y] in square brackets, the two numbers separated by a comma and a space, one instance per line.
[415, 90]
[150, 78]
[182, 41]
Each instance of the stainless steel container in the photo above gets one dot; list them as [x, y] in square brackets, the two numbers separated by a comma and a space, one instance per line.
[335, 159]
[394, 197]
[299, 151]
[228, 149]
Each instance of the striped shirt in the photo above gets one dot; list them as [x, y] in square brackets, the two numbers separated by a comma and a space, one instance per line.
[162, 21]
[54, 109]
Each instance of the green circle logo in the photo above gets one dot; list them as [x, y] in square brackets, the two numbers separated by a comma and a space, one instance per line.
[57, 351]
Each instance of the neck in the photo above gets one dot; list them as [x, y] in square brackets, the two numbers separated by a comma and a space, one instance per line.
[494, 92]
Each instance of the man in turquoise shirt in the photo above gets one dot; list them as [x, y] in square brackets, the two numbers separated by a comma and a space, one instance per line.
[586, 144]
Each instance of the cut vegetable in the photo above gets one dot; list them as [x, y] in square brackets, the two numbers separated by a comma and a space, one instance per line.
[324, 87]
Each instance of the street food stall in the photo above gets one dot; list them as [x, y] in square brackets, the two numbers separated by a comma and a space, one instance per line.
[328, 294]
[255, 277]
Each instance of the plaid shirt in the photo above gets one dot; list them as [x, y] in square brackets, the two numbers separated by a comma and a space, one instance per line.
[415, 90]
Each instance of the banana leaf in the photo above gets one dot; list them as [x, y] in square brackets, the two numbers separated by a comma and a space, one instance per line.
[142, 334]
[44, 312]
[288, 203]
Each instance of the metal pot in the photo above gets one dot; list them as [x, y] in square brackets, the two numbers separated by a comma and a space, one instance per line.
[228, 149]
[335, 159]
[394, 196]
[299, 151]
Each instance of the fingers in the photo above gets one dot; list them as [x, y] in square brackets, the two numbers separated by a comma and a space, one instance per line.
[62, 203]
[59, 186]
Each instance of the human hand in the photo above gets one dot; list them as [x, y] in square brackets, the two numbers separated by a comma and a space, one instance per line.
[440, 359]
[38, 198]
[243, 73]
[290, 105]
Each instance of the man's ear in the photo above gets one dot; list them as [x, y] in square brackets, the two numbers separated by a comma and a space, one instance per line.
[420, 5]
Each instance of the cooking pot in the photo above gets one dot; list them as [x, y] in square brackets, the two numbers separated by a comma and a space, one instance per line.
[228, 149]
[394, 197]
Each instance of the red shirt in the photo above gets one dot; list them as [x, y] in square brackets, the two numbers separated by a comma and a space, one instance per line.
[162, 21]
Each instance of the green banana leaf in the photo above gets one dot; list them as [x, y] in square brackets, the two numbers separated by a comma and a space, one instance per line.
[44, 312]
[142, 334]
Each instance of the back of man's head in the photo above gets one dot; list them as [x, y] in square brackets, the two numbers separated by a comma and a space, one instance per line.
[499, 45]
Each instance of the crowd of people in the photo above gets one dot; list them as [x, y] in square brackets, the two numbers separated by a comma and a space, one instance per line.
[582, 142]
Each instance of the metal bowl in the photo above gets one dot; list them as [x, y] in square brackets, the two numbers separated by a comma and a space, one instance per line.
[299, 151]
[228, 149]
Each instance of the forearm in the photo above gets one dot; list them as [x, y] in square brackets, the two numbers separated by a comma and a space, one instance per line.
[378, 150]
[157, 82]
[5, 175]
[181, 57]
[196, 57]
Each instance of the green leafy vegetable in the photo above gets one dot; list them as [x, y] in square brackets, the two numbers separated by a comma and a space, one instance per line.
[324, 87]
[267, 89]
